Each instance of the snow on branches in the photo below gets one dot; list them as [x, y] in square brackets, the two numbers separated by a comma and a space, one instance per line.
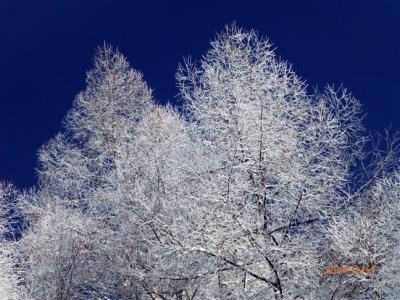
[250, 190]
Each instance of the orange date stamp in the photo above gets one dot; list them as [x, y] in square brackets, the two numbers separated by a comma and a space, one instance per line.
[350, 270]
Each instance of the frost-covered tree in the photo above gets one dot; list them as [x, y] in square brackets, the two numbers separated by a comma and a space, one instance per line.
[99, 128]
[10, 281]
[55, 253]
[280, 161]
[81, 179]
[11, 286]
[369, 236]
[248, 191]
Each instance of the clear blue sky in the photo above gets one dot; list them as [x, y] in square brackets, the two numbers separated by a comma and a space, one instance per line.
[47, 46]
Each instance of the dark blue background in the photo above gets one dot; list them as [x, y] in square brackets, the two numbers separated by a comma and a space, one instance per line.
[47, 46]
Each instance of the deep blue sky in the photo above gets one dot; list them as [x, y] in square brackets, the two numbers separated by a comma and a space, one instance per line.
[47, 46]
